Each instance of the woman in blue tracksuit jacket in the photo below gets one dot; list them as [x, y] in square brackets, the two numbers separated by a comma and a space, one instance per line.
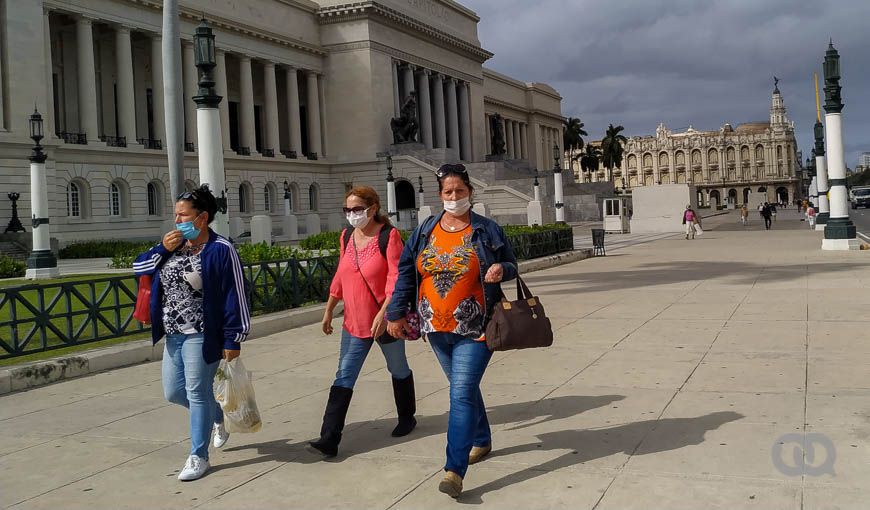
[198, 301]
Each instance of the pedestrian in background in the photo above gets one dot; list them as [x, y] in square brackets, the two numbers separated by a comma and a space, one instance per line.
[199, 302]
[451, 272]
[766, 214]
[364, 280]
[811, 216]
[744, 215]
[689, 220]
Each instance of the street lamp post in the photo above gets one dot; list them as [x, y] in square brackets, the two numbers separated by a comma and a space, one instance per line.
[391, 184]
[287, 197]
[208, 123]
[840, 232]
[41, 263]
[537, 187]
[557, 181]
[420, 195]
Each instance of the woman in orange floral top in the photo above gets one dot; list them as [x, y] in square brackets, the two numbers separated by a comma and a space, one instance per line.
[450, 271]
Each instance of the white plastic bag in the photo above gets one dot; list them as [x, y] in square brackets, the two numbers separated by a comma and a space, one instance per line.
[698, 230]
[235, 394]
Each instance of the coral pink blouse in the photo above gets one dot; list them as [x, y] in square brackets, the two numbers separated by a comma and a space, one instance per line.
[380, 273]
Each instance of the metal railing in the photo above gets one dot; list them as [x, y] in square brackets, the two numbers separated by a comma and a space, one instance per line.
[541, 244]
[114, 141]
[73, 138]
[149, 143]
[289, 154]
[243, 151]
[189, 147]
[43, 317]
[268, 153]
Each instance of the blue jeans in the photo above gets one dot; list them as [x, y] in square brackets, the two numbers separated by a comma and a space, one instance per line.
[354, 351]
[188, 381]
[353, 354]
[464, 361]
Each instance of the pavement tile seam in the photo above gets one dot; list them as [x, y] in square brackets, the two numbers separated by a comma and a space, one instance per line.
[71, 482]
[411, 489]
[245, 482]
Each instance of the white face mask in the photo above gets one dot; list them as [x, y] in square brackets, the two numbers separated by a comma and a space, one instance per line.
[358, 220]
[457, 207]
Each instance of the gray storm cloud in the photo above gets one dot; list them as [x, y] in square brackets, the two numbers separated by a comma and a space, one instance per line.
[682, 62]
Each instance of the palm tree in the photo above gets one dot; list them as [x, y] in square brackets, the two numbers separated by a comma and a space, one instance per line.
[572, 135]
[612, 149]
[589, 160]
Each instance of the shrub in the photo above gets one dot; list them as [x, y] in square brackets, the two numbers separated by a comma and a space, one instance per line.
[262, 252]
[103, 249]
[510, 230]
[11, 268]
[321, 241]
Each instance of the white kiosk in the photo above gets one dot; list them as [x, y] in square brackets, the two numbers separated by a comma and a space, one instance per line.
[615, 215]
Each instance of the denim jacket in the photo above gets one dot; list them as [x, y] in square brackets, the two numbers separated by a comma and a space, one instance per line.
[490, 245]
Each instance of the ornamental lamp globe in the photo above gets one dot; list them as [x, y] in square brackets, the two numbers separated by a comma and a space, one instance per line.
[203, 46]
[36, 132]
[832, 63]
[556, 151]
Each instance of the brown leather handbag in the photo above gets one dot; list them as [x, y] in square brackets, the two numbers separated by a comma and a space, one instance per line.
[520, 324]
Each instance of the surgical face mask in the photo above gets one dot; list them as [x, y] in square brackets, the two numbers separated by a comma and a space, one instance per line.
[457, 207]
[358, 219]
[188, 230]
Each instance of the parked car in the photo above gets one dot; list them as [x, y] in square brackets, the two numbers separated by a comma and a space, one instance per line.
[861, 198]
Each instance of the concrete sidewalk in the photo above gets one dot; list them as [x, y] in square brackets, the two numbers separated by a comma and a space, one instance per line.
[685, 374]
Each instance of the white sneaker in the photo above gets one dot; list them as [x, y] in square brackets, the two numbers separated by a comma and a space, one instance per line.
[220, 435]
[193, 469]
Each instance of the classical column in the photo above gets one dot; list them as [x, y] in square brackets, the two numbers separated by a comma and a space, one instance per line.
[524, 144]
[452, 115]
[824, 209]
[397, 101]
[173, 97]
[247, 136]
[87, 77]
[321, 95]
[293, 118]
[52, 127]
[189, 76]
[407, 81]
[314, 145]
[273, 140]
[220, 78]
[840, 232]
[487, 133]
[465, 122]
[440, 140]
[126, 94]
[517, 150]
[509, 138]
[159, 121]
[425, 108]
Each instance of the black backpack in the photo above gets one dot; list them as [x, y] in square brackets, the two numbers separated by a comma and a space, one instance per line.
[383, 238]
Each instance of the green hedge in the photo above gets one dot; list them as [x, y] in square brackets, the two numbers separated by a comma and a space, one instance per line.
[11, 268]
[329, 240]
[103, 249]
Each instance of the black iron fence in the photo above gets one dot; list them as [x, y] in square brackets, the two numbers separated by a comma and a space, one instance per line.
[541, 244]
[41, 317]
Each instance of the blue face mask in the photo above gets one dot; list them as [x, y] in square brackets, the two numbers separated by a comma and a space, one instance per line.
[188, 230]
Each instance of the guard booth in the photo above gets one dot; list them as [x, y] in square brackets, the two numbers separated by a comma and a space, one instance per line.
[615, 215]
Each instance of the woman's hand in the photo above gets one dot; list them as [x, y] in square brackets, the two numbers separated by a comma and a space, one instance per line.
[494, 274]
[327, 322]
[172, 240]
[230, 355]
[397, 329]
[379, 325]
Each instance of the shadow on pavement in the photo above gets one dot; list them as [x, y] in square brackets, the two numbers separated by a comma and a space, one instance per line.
[364, 437]
[586, 445]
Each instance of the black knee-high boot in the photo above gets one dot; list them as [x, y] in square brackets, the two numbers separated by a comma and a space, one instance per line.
[333, 422]
[406, 405]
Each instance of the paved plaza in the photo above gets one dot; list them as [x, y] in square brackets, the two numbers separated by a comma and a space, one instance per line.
[727, 372]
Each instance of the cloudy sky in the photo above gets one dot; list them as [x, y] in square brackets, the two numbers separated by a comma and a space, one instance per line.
[682, 62]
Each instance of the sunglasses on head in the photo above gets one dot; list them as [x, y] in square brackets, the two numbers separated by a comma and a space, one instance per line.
[451, 169]
[357, 209]
[186, 195]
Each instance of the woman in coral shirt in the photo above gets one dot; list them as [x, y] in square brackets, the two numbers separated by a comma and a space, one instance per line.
[364, 280]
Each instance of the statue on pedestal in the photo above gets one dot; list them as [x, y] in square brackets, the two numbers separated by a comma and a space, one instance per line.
[405, 126]
[497, 142]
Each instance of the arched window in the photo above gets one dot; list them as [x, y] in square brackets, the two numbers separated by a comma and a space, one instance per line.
[759, 152]
[155, 199]
[294, 197]
[712, 157]
[73, 201]
[268, 199]
[114, 199]
[245, 204]
[730, 154]
[647, 160]
[744, 153]
[405, 196]
[696, 157]
[313, 197]
[663, 159]
[680, 158]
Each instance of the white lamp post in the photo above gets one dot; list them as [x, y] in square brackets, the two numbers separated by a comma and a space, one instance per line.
[41, 263]
[557, 181]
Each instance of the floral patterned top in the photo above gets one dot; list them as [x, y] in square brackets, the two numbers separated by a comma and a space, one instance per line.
[181, 277]
[451, 292]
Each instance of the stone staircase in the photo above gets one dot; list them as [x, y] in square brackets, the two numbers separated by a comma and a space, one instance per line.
[14, 250]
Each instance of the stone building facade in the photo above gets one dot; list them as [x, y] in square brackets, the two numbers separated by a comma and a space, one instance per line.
[309, 89]
[756, 161]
